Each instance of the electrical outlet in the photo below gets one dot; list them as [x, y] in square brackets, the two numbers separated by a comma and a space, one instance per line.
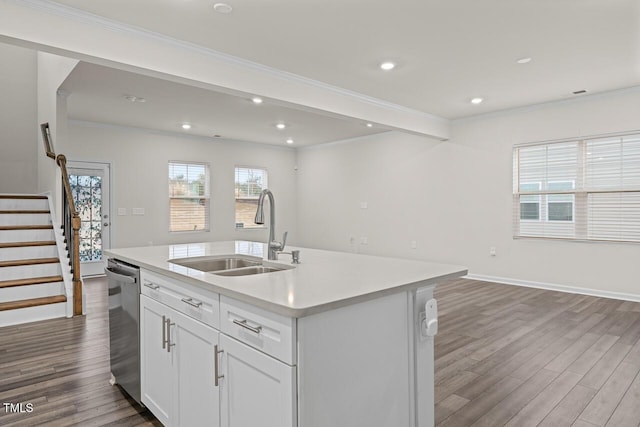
[364, 241]
[414, 244]
[492, 251]
[122, 211]
[137, 211]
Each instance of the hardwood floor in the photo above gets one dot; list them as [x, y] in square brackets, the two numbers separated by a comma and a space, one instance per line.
[505, 355]
[514, 356]
[61, 367]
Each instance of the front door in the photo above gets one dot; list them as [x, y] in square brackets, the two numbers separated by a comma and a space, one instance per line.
[90, 187]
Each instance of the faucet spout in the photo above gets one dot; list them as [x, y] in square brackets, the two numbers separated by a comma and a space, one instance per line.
[273, 245]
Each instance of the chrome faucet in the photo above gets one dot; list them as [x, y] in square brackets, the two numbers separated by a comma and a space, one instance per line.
[273, 245]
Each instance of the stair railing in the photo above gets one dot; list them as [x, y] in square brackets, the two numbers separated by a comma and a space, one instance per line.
[71, 226]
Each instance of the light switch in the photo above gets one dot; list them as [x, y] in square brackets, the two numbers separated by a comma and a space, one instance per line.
[364, 205]
[122, 211]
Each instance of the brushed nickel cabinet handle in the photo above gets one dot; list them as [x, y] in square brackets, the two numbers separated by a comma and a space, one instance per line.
[164, 332]
[243, 323]
[151, 285]
[216, 368]
[169, 343]
[192, 302]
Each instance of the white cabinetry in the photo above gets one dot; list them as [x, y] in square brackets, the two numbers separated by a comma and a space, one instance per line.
[178, 367]
[179, 361]
[257, 390]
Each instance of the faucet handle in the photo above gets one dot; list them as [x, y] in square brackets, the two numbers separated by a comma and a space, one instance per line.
[284, 240]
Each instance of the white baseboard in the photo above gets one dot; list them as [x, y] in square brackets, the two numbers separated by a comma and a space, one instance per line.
[555, 287]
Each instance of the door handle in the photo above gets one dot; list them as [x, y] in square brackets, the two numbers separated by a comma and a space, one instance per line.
[169, 343]
[164, 332]
[216, 368]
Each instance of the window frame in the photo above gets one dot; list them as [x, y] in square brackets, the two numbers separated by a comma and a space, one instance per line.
[206, 197]
[585, 224]
[265, 184]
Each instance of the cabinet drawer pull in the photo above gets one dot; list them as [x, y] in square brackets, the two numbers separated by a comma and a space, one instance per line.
[216, 372]
[192, 302]
[151, 285]
[243, 323]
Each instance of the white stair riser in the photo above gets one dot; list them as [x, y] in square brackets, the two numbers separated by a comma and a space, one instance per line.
[29, 271]
[17, 293]
[11, 204]
[25, 219]
[7, 236]
[29, 252]
[32, 314]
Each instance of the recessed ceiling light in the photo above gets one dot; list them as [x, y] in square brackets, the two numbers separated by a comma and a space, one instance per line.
[477, 100]
[369, 125]
[387, 65]
[525, 60]
[256, 100]
[222, 8]
[132, 98]
[281, 126]
[289, 141]
[186, 126]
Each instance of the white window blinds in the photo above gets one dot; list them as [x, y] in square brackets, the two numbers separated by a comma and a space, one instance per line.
[249, 183]
[188, 196]
[587, 189]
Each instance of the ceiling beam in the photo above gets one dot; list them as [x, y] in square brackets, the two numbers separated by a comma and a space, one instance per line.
[59, 29]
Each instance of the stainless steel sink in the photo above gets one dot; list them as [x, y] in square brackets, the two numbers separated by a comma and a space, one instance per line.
[228, 265]
[246, 271]
[214, 264]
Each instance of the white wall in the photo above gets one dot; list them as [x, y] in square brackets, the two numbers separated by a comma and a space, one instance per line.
[52, 71]
[19, 130]
[139, 178]
[454, 198]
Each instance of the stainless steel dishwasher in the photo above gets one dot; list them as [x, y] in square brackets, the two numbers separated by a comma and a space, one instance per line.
[124, 325]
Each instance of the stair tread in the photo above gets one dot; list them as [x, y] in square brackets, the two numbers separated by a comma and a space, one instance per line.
[25, 211]
[26, 244]
[22, 196]
[30, 261]
[30, 281]
[27, 227]
[33, 302]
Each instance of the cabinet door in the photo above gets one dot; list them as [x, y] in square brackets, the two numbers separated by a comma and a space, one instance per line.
[257, 390]
[156, 362]
[197, 395]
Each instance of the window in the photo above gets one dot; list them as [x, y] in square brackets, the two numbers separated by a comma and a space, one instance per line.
[249, 184]
[587, 189]
[188, 196]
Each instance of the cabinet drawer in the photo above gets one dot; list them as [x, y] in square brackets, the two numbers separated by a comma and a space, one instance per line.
[268, 332]
[183, 297]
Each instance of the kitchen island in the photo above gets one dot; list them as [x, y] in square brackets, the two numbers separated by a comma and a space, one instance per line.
[338, 340]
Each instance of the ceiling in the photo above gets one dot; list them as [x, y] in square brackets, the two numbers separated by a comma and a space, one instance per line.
[447, 51]
[99, 94]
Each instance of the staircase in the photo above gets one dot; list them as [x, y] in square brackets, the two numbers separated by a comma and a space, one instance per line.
[32, 279]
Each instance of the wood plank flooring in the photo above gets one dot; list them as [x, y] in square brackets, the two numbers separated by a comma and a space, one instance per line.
[513, 356]
[505, 356]
[61, 367]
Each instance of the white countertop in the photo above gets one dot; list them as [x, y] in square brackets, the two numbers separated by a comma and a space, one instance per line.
[324, 280]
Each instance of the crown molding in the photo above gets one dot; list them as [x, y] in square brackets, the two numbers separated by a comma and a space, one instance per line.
[88, 18]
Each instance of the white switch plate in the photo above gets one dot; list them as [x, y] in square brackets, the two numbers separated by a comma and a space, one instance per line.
[137, 211]
[492, 251]
[122, 211]
[414, 244]
[364, 241]
[364, 205]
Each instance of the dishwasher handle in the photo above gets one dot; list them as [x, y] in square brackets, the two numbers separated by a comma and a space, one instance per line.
[112, 274]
